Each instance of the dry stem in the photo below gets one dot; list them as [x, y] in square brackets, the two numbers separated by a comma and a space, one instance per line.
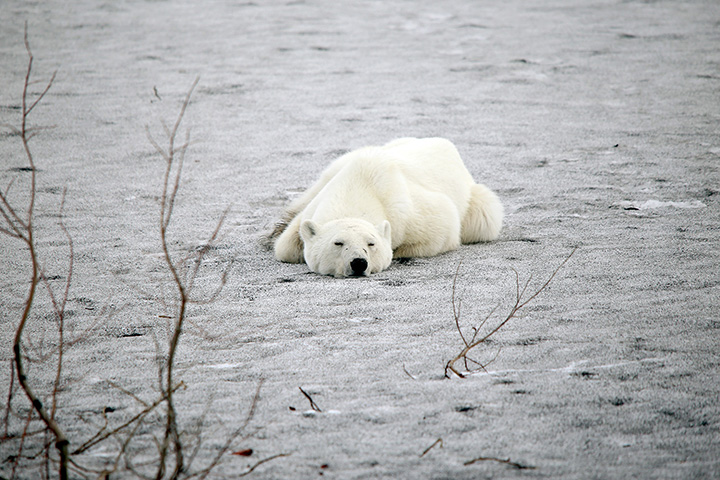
[474, 341]
[174, 156]
[439, 441]
[184, 270]
[507, 461]
[23, 230]
[313, 405]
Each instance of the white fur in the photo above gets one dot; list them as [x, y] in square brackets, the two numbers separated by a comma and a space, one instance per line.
[409, 198]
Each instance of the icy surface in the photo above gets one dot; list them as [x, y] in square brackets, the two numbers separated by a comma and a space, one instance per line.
[598, 124]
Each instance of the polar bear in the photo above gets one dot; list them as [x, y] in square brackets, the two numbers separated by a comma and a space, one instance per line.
[409, 198]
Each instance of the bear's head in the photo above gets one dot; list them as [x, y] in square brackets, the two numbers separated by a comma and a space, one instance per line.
[347, 247]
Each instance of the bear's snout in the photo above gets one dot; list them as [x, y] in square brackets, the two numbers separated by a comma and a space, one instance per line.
[358, 266]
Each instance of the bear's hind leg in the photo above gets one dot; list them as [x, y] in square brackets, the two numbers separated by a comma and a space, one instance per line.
[435, 230]
[484, 216]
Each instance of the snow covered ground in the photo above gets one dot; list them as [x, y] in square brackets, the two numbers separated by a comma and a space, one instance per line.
[598, 124]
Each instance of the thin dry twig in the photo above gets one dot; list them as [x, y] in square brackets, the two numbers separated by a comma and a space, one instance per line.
[184, 271]
[103, 434]
[59, 306]
[507, 461]
[128, 393]
[22, 229]
[260, 462]
[174, 158]
[520, 302]
[313, 405]
[439, 441]
[8, 406]
[24, 435]
[408, 373]
[227, 446]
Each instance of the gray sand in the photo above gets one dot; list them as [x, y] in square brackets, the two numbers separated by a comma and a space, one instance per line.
[597, 124]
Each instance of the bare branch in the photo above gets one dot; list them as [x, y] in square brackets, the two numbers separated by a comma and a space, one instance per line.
[202, 474]
[102, 434]
[517, 465]
[313, 405]
[408, 373]
[264, 460]
[59, 307]
[15, 223]
[8, 407]
[519, 304]
[9, 233]
[26, 111]
[61, 442]
[456, 306]
[439, 441]
[166, 209]
[155, 145]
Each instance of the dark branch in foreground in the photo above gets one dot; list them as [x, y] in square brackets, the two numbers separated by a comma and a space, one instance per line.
[23, 229]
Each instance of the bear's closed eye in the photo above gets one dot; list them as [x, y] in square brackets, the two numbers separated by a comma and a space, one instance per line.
[339, 244]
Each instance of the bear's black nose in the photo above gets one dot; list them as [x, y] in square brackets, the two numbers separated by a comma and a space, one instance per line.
[358, 265]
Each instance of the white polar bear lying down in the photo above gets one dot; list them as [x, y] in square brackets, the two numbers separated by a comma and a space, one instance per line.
[409, 198]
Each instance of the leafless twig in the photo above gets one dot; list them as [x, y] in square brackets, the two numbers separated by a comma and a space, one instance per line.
[202, 474]
[174, 158]
[260, 462]
[313, 405]
[507, 461]
[476, 339]
[22, 229]
[184, 271]
[439, 441]
[103, 434]
[8, 406]
[408, 373]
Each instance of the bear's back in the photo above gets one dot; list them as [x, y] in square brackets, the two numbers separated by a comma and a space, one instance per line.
[433, 164]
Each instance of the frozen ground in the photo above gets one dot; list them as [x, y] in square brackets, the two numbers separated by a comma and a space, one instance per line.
[597, 124]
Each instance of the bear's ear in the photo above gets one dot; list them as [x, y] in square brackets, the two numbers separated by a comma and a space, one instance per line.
[308, 229]
[384, 230]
